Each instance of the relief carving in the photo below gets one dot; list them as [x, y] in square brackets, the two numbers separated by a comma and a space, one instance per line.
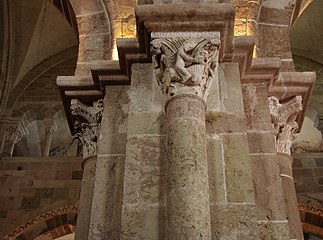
[14, 134]
[185, 64]
[87, 125]
[283, 117]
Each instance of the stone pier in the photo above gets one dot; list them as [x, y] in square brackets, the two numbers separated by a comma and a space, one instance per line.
[190, 148]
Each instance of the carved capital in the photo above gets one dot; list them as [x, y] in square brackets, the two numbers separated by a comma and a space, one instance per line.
[87, 125]
[185, 62]
[49, 129]
[14, 134]
[283, 117]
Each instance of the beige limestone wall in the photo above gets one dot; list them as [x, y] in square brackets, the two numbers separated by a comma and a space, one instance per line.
[32, 186]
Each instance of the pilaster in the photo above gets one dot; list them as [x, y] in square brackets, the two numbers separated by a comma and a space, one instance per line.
[283, 117]
[106, 200]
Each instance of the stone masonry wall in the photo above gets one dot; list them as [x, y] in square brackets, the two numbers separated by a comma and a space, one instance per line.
[308, 176]
[32, 186]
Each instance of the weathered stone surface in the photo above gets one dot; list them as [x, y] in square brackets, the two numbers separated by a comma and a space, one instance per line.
[188, 211]
[240, 27]
[294, 222]
[146, 123]
[141, 95]
[257, 107]
[274, 47]
[144, 181]
[213, 101]
[85, 7]
[231, 221]
[273, 230]
[217, 182]
[85, 204]
[230, 87]
[143, 209]
[275, 16]
[285, 164]
[107, 197]
[93, 23]
[261, 142]
[143, 222]
[269, 197]
[114, 121]
[237, 168]
[222, 122]
[91, 47]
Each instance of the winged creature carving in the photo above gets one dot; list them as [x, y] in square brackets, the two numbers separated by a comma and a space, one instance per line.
[184, 62]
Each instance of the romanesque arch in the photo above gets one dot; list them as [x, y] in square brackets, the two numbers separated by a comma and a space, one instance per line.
[312, 219]
[54, 223]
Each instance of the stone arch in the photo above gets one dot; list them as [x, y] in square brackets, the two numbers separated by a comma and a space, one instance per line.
[274, 20]
[38, 111]
[246, 19]
[36, 121]
[63, 218]
[312, 219]
[95, 34]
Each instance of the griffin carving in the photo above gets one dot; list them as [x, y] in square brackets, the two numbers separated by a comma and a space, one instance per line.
[185, 64]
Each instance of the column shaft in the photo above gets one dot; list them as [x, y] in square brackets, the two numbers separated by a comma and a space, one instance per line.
[294, 221]
[85, 202]
[47, 142]
[8, 149]
[188, 210]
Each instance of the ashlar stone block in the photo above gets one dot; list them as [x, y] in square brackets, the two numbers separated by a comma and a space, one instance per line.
[237, 169]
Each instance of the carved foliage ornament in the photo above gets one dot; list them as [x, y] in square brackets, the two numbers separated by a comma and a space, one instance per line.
[87, 125]
[283, 117]
[185, 64]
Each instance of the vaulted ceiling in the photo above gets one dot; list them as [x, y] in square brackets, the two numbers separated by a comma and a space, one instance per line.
[37, 40]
